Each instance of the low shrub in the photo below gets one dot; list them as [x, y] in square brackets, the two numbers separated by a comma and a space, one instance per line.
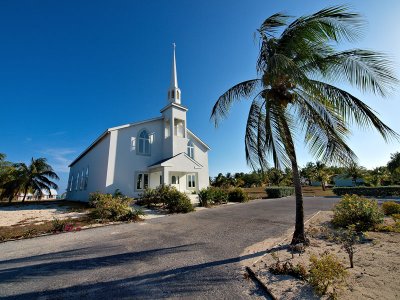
[363, 213]
[220, 195]
[58, 225]
[326, 274]
[388, 228]
[110, 207]
[237, 195]
[155, 197]
[168, 197]
[205, 197]
[178, 202]
[380, 191]
[212, 196]
[279, 191]
[391, 208]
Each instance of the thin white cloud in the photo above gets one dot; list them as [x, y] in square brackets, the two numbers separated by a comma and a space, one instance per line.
[59, 158]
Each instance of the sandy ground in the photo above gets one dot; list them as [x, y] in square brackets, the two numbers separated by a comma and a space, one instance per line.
[34, 214]
[375, 274]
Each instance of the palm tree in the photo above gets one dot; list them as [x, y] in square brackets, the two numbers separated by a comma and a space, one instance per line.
[322, 174]
[354, 171]
[377, 176]
[295, 93]
[36, 176]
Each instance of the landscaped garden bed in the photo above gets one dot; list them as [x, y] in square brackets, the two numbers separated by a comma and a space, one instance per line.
[26, 220]
[298, 272]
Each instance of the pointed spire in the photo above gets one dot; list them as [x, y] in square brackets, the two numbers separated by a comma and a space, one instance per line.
[174, 77]
[174, 93]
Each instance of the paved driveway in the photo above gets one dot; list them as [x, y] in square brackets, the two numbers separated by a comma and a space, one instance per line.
[196, 255]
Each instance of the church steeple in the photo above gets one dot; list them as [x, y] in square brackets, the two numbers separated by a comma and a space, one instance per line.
[174, 93]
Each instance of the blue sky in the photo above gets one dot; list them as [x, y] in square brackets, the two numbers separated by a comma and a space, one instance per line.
[71, 69]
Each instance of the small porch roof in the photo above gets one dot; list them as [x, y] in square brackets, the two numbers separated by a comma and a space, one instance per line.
[180, 161]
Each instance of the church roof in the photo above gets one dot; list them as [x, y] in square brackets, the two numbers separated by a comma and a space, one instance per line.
[163, 162]
[105, 133]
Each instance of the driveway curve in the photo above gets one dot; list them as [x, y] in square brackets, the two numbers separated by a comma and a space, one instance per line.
[193, 256]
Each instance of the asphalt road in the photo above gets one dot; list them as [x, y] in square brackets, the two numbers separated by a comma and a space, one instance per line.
[194, 256]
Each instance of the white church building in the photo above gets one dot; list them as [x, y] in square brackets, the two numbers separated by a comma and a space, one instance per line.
[143, 154]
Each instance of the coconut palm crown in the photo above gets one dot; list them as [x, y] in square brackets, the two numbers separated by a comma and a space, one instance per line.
[296, 94]
[36, 176]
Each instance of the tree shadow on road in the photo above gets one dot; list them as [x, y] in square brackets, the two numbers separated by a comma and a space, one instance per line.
[205, 278]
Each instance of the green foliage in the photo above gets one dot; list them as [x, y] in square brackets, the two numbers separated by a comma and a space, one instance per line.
[58, 225]
[155, 197]
[389, 228]
[177, 202]
[279, 191]
[205, 197]
[213, 196]
[363, 213]
[167, 197]
[326, 274]
[394, 167]
[112, 208]
[391, 208]
[382, 191]
[237, 195]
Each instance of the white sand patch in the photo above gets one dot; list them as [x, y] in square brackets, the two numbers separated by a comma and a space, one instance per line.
[28, 214]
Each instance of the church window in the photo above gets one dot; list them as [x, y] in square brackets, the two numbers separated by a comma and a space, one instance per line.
[172, 94]
[144, 143]
[191, 180]
[86, 178]
[177, 94]
[179, 128]
[190, 149]
[142, 181]
[82, 181]
[77, 182]
[167, 129]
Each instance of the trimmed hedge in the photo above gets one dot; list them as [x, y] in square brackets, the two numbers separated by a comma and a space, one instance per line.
[279, 191]
[381, 191]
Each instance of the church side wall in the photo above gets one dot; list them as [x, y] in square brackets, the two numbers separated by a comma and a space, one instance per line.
[96, 160]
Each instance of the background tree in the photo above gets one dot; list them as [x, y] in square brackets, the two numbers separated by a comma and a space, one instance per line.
[354, 171]
[377, 177]
[308, 172]
[394, 167]
[292, 96]
[322, 174]
[33, 177]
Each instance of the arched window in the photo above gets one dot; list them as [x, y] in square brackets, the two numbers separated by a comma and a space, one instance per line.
[144, 143]
[86, 178]
[190, 149]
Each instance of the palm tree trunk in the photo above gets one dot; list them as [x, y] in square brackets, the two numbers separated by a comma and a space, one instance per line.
[25, 191]
[299, 235]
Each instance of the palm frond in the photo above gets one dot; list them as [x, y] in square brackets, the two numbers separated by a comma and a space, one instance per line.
[368, 70]
[325, 130]
[329, 24]
[272, 23]
[354, 110]
[242, 90]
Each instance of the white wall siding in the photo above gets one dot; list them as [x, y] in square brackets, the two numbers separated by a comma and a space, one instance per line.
[97, 161]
